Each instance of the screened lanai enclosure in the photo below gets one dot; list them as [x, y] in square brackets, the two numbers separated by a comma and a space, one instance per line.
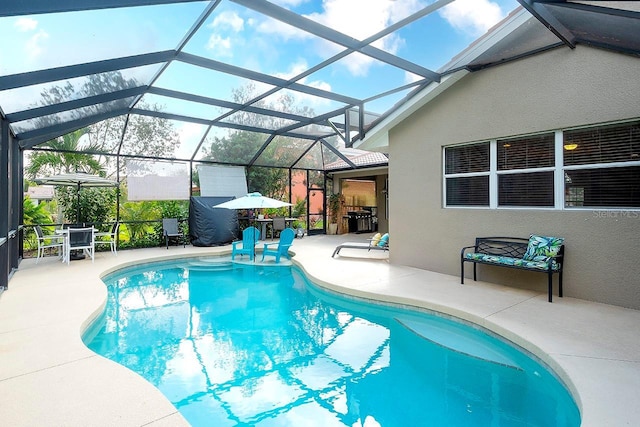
[151, 92]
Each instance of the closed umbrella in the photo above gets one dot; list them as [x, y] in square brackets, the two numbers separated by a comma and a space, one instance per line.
[78, 180]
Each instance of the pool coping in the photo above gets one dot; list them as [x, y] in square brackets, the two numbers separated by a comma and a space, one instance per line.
[44, 375]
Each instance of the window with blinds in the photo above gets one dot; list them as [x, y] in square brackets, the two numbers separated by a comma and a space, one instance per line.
[529, 186]
[467, 159]
[602, 166]
[467, 175]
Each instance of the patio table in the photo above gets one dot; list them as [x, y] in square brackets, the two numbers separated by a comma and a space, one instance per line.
[263, 225]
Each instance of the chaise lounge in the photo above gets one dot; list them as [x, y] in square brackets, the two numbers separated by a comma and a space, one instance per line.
[376, 243]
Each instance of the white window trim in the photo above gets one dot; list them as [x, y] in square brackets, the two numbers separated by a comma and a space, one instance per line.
[558, 169]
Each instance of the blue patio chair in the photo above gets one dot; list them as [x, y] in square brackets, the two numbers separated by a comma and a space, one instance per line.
[250, 237]
[286, 240]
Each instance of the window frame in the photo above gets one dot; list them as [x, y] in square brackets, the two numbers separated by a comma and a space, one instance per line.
[558, 171]
[467, 175]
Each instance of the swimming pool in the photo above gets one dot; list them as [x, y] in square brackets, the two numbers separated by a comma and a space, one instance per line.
[242, 344]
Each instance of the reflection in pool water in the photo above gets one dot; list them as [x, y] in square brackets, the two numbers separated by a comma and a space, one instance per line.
[244, 345]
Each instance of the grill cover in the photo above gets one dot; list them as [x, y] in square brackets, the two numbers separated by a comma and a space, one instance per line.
[209, 226]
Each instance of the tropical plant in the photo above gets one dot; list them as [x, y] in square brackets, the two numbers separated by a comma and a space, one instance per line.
[134, 215]
[335, 203]
[33, 214]
[62, 155]
[174, 209]
[97, 205]
[299, 208]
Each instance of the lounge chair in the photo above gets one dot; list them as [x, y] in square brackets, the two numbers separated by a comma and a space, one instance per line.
[250, 237]
[286, 240]
[377, 243]
[170, 231]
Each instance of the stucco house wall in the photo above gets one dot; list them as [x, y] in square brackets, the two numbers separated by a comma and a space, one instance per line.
[550, 91]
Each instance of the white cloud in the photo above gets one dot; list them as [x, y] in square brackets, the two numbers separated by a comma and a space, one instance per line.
[228, 20]
[411, 78]
[295, 69]
[25, 24]
[474, 17]
[299, 97]
[221, 46]
[290, 3]
[34, 44]
[225, 28]
[359, 19]
[282, 30]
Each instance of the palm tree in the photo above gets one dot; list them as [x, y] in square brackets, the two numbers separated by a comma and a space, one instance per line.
[64, 156]
[139, 211]
[68, 155]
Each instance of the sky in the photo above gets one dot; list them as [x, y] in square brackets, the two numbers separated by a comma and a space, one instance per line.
[241, 37]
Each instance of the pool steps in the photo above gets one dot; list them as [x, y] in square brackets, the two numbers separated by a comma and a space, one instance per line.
[209, 264]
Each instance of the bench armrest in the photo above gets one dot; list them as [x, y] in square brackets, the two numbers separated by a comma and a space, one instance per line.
[465, 248]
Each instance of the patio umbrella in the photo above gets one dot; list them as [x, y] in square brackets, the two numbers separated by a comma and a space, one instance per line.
[78, 180]
[253, 201]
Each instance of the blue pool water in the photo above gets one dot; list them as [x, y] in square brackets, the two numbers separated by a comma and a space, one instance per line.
[250, 345]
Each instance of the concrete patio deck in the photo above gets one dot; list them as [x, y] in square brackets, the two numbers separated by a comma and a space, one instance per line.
[49, 378]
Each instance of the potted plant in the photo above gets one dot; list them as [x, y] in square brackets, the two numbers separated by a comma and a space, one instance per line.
[335, 203]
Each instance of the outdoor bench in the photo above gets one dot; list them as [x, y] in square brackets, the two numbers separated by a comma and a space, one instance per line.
[538, 253]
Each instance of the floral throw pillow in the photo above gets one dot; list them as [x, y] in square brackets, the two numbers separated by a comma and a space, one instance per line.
[541, 248]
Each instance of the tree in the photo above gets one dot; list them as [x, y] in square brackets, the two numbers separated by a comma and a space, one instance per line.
[63, 156]
[240, 146]
[134, 214]
[98, 204]
[145, 135]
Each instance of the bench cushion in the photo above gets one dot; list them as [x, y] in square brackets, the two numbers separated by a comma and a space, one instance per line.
[515, 262]
[541, 248]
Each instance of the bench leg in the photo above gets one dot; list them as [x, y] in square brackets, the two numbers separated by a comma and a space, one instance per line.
[462, 271]
[560, 284]
[550, 274]
[337, 251]
[474, 272]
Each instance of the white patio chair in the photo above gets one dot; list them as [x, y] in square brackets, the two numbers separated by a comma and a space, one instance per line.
[108, 238]
[80, 239]
[48, 242]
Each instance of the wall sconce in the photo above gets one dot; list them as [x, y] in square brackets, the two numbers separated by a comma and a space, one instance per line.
[570, 147]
